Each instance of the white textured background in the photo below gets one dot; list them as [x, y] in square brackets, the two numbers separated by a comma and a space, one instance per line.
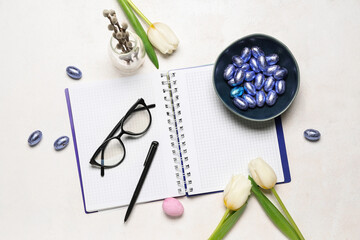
[40, 194]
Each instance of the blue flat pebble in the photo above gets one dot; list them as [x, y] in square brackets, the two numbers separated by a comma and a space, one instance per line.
[312, 135]
[35, 138]
[61, 143]
[73, 72]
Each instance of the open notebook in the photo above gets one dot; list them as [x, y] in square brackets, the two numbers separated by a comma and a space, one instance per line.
[201, 142]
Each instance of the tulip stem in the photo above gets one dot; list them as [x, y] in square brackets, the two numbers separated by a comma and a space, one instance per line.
[139, 12]
[221, 221]
[292, 222]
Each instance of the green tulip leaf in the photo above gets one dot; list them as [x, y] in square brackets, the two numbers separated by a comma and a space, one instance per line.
[273, 213]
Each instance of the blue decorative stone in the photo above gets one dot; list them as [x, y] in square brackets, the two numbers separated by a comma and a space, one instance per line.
[73, 72]
[254, 66]
[257, 52]
[246, 54]
[250, 100]
[35, 138]
[237, 61]
[272, 59]
[245, 67]
[240, 103]
[270, 70]
[250, 88]
[280, 74]
[236, 92]
[239, 76]
[269, 84]
[232, 82]
[312, 135]
[280, 87]
[249, 76]
[229, 72]
[259, 81]
[61, 143]
[260, 98]
[271, 98]
[262, 64]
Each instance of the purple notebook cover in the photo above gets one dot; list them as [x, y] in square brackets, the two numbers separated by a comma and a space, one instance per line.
[75, 145]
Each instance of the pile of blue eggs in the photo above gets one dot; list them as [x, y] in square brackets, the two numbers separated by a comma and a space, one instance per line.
[256, 79]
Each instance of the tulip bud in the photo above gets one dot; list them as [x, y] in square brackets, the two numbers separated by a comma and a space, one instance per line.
[237, 192]
[262, 173]
[163, 38]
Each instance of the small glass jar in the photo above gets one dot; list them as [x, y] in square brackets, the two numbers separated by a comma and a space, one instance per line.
[128, 62]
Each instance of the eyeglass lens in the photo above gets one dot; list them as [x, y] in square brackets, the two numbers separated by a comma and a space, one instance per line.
[138, 121]
[113, 153]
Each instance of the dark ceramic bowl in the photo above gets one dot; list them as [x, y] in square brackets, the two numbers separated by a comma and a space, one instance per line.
[269, 45]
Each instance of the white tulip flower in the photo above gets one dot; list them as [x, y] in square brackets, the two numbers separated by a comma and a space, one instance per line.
[159, 34]
[262, 173]
[162, 38]
[237, 192]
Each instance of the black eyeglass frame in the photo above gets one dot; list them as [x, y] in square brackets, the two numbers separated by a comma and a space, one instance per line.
[120, 125]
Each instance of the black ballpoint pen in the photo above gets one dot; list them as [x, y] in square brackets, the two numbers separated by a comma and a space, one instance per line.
[147, 164]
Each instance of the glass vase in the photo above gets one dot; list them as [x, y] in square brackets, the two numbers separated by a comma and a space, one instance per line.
[127, 62]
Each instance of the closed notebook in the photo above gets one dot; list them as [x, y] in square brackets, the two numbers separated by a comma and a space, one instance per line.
[201, 143]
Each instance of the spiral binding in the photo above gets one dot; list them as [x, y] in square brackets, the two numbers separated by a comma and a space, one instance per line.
[177, 136]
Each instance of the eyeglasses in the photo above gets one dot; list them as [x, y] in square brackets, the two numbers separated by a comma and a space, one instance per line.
[135, 123]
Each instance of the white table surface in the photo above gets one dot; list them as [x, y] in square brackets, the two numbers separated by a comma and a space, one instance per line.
[40, 196]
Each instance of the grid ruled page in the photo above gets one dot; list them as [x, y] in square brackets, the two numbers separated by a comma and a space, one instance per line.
[219, 143]
[96, 109]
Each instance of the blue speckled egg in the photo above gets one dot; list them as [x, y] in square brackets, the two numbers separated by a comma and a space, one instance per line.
[270, 70]
[269, 84]
[250, 100]
[262, 64]
[239, 76]
[245, 67]
[260, 98]
[280, 87]
[280, 73]
[271, 98]
[246, 54]
[229, 72]
[259, 81]
[61, 143]
[249, 76]
[236, 92]
[257, 52]
[254, 66]
[237, 61]
[272, 59]
[240, 103]
[312, 134]
[35, 138]
[250, 88]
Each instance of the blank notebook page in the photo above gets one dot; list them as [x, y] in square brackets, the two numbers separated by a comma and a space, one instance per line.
[96, 109]
[219, 143]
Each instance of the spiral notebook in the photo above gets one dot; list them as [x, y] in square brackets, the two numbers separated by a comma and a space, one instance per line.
[201, 142]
